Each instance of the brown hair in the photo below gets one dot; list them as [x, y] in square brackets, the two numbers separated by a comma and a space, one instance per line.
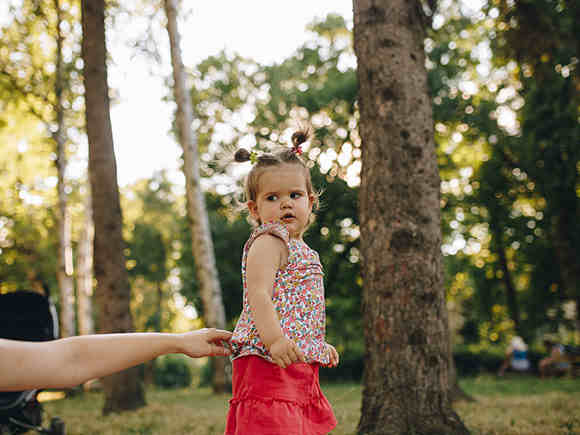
[266, 161]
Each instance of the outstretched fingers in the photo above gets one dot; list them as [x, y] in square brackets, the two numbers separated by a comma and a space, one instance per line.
[218, 335]
[218, 341]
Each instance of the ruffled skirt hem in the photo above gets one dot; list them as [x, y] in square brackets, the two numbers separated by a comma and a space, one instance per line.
[279, 417]
[268, 400]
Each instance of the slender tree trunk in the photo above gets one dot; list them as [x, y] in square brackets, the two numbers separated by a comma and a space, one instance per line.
[159, 320]
[123, 391]
[85, 273]
[512, 300]
[65, 257]
[202, 245]
[566, 253]
[406, 380]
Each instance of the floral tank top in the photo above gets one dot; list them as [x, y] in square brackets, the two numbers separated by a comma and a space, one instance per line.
[298, 298]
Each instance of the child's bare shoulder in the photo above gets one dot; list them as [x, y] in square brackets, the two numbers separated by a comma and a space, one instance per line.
[269, 246]
[267, 243]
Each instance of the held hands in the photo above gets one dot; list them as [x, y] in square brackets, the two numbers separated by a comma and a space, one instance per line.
[333, 354]
[285, 352]
[205, 342]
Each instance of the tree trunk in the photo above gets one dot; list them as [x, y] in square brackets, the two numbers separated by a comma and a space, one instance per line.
[123, 391]
[511, 296]
[566, 253]
[65, 257]
[85, 273]
[202, 245]
[406, 380]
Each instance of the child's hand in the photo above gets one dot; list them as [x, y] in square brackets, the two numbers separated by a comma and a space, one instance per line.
[285, 352]
[333, 354]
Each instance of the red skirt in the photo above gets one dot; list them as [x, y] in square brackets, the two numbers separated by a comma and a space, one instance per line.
[269, 400]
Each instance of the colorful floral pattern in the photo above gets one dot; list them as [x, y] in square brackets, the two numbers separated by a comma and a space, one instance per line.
[298, 298]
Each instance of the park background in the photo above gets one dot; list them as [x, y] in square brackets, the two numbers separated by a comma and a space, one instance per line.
[504, 87]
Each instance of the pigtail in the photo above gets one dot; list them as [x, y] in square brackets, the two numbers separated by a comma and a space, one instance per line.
[298, 138]
[242, 155]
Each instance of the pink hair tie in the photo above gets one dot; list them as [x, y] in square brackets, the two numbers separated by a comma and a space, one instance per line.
[297, 149]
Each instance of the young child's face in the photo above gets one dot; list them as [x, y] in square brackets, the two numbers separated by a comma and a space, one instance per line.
[283, 196]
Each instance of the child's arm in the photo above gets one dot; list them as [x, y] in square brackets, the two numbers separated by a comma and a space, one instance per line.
[266, 255]
[70, 361]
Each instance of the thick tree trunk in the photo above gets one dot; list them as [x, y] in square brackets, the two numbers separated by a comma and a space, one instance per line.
[85, 273]
[406, 380]
[123, 391]
[65, 256]
[202, 245]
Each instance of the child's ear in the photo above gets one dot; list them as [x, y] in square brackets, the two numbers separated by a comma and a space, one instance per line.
[311, 201]
[253, 209]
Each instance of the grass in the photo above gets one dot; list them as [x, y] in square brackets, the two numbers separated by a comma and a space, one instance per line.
[521, 405]
[506, 406]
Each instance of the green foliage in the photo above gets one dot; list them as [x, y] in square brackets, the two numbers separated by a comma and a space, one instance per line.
[501, 203]
[152, 235]
[28, 241]
[510, 191]
[172, 371]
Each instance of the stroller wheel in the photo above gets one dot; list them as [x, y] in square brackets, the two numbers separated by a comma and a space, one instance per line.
[57, 426]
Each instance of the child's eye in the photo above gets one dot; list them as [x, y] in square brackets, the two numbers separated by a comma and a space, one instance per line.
[272, 197]
[295, 195]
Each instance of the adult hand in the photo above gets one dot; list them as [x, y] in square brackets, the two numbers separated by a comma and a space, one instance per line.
[285, 352]
[205, 342]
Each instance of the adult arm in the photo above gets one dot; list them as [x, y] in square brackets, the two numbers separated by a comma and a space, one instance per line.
[70, 361]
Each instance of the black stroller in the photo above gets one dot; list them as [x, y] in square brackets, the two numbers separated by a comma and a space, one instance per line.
[26, 316]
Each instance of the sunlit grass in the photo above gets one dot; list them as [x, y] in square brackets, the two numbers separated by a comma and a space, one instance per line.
[521, 405]
[511, 405]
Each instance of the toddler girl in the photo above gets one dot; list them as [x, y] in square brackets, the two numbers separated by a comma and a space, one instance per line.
[279, 340]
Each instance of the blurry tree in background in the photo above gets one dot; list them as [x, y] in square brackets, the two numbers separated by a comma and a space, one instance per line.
[40, 76]
[543, 37]
[124, 390]
[202, 243]
[506, 123]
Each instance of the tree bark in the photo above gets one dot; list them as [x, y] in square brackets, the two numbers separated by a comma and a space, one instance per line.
[202, 245]
[85, 273]
[123, 391]
[65, 256]
[406, 380]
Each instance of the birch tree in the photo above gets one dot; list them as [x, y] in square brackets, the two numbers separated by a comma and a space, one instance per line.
[36, 42]
[202, 245]
[65, 254]
[85, 272]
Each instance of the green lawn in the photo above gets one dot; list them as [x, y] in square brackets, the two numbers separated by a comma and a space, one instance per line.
[510, 405]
